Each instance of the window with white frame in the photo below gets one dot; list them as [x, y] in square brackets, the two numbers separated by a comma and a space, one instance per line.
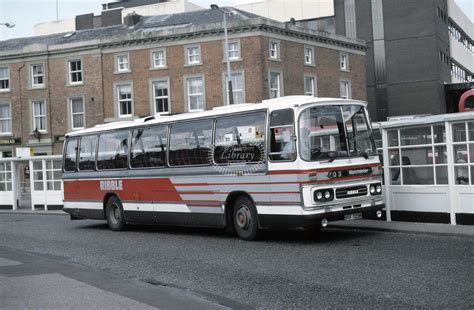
[344, 61]
[5, 118]
[124, 100]
[463, 153]
[5, 177]
[274, 50]
[122, 63]
[233, 50]
[161, 96]
[195, 93]
[275, 84]
[345, 89]
[418, 155]
[193, 55]
[309, 56]
[4, 79]
[75, 71]
[53, 174]
[37, 171]
[39, 115]
[238, 87]
[77, 113]
[159, 58]
[37, 75]
[310, 86]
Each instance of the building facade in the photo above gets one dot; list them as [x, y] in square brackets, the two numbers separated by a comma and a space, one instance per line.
[50, 85]
[414, 49]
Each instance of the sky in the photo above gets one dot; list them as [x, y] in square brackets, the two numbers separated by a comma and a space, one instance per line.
[26, 13]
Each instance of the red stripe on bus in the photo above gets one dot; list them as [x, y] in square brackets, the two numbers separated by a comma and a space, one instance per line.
[200, 193]
[274, 193]
[198, 200]
[341, 179]
[321, 170]
[275, 183]
[203, 205]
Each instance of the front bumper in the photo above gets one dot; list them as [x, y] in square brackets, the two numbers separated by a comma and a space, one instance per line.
[311, 219]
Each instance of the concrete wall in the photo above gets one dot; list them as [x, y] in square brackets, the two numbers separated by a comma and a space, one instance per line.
[457, 50]
[413, 37]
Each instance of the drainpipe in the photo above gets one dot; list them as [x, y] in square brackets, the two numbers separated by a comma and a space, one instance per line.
[50, 120]
[20, 99]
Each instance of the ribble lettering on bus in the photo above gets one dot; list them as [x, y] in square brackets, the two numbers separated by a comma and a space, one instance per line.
[111, 185]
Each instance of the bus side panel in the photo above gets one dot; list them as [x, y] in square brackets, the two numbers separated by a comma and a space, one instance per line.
[176, 218]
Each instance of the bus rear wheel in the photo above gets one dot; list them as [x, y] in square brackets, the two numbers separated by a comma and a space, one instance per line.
[114, 214]
[245, 219]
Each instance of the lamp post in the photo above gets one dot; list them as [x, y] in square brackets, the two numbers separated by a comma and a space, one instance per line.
[226, 50]
[8, 25]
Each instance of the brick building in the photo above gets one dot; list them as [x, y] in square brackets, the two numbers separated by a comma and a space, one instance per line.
[53, 84]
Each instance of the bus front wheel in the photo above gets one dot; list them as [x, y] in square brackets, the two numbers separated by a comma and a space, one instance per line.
[114, 214]
[245, 219]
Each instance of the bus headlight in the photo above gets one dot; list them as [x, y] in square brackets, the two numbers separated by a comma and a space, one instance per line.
[327, 195]
[319, 195]
[375, 189]
[323, 195]
[372, 189]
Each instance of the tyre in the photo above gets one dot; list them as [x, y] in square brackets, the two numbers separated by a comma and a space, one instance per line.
[245, 219]
[114, 214]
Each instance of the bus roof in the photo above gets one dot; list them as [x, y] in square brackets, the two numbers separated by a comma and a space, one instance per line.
[270, 104]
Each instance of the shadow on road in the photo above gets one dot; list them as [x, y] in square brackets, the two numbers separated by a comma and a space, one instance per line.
[327, 235]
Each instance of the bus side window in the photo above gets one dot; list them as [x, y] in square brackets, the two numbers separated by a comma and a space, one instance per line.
[149, 147]
[240, 139]
[282, 143]
[87, 150]
[70, 155]
[113, 150]
[190, 143]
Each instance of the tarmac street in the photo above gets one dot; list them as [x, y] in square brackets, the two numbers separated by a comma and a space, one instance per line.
[48, 261]
[29, 281]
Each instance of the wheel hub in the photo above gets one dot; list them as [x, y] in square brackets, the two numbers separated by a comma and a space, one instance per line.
[243, 217]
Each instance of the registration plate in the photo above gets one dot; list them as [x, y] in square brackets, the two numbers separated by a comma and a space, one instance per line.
[353, 216]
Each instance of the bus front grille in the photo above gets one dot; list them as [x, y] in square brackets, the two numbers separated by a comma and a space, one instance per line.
[348, 192]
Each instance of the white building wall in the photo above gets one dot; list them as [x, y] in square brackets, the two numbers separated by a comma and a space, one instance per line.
[284, 10]
[457, 50]
[64, 25]
[172, 7]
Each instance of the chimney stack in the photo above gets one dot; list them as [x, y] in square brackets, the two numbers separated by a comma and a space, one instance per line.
[132, 19]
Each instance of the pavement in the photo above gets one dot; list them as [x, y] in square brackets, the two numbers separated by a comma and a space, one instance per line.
[361, 224]
[32, 281]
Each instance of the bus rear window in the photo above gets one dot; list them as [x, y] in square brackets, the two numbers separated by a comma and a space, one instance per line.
[113, 150]
[149, 147]
[70, 156]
